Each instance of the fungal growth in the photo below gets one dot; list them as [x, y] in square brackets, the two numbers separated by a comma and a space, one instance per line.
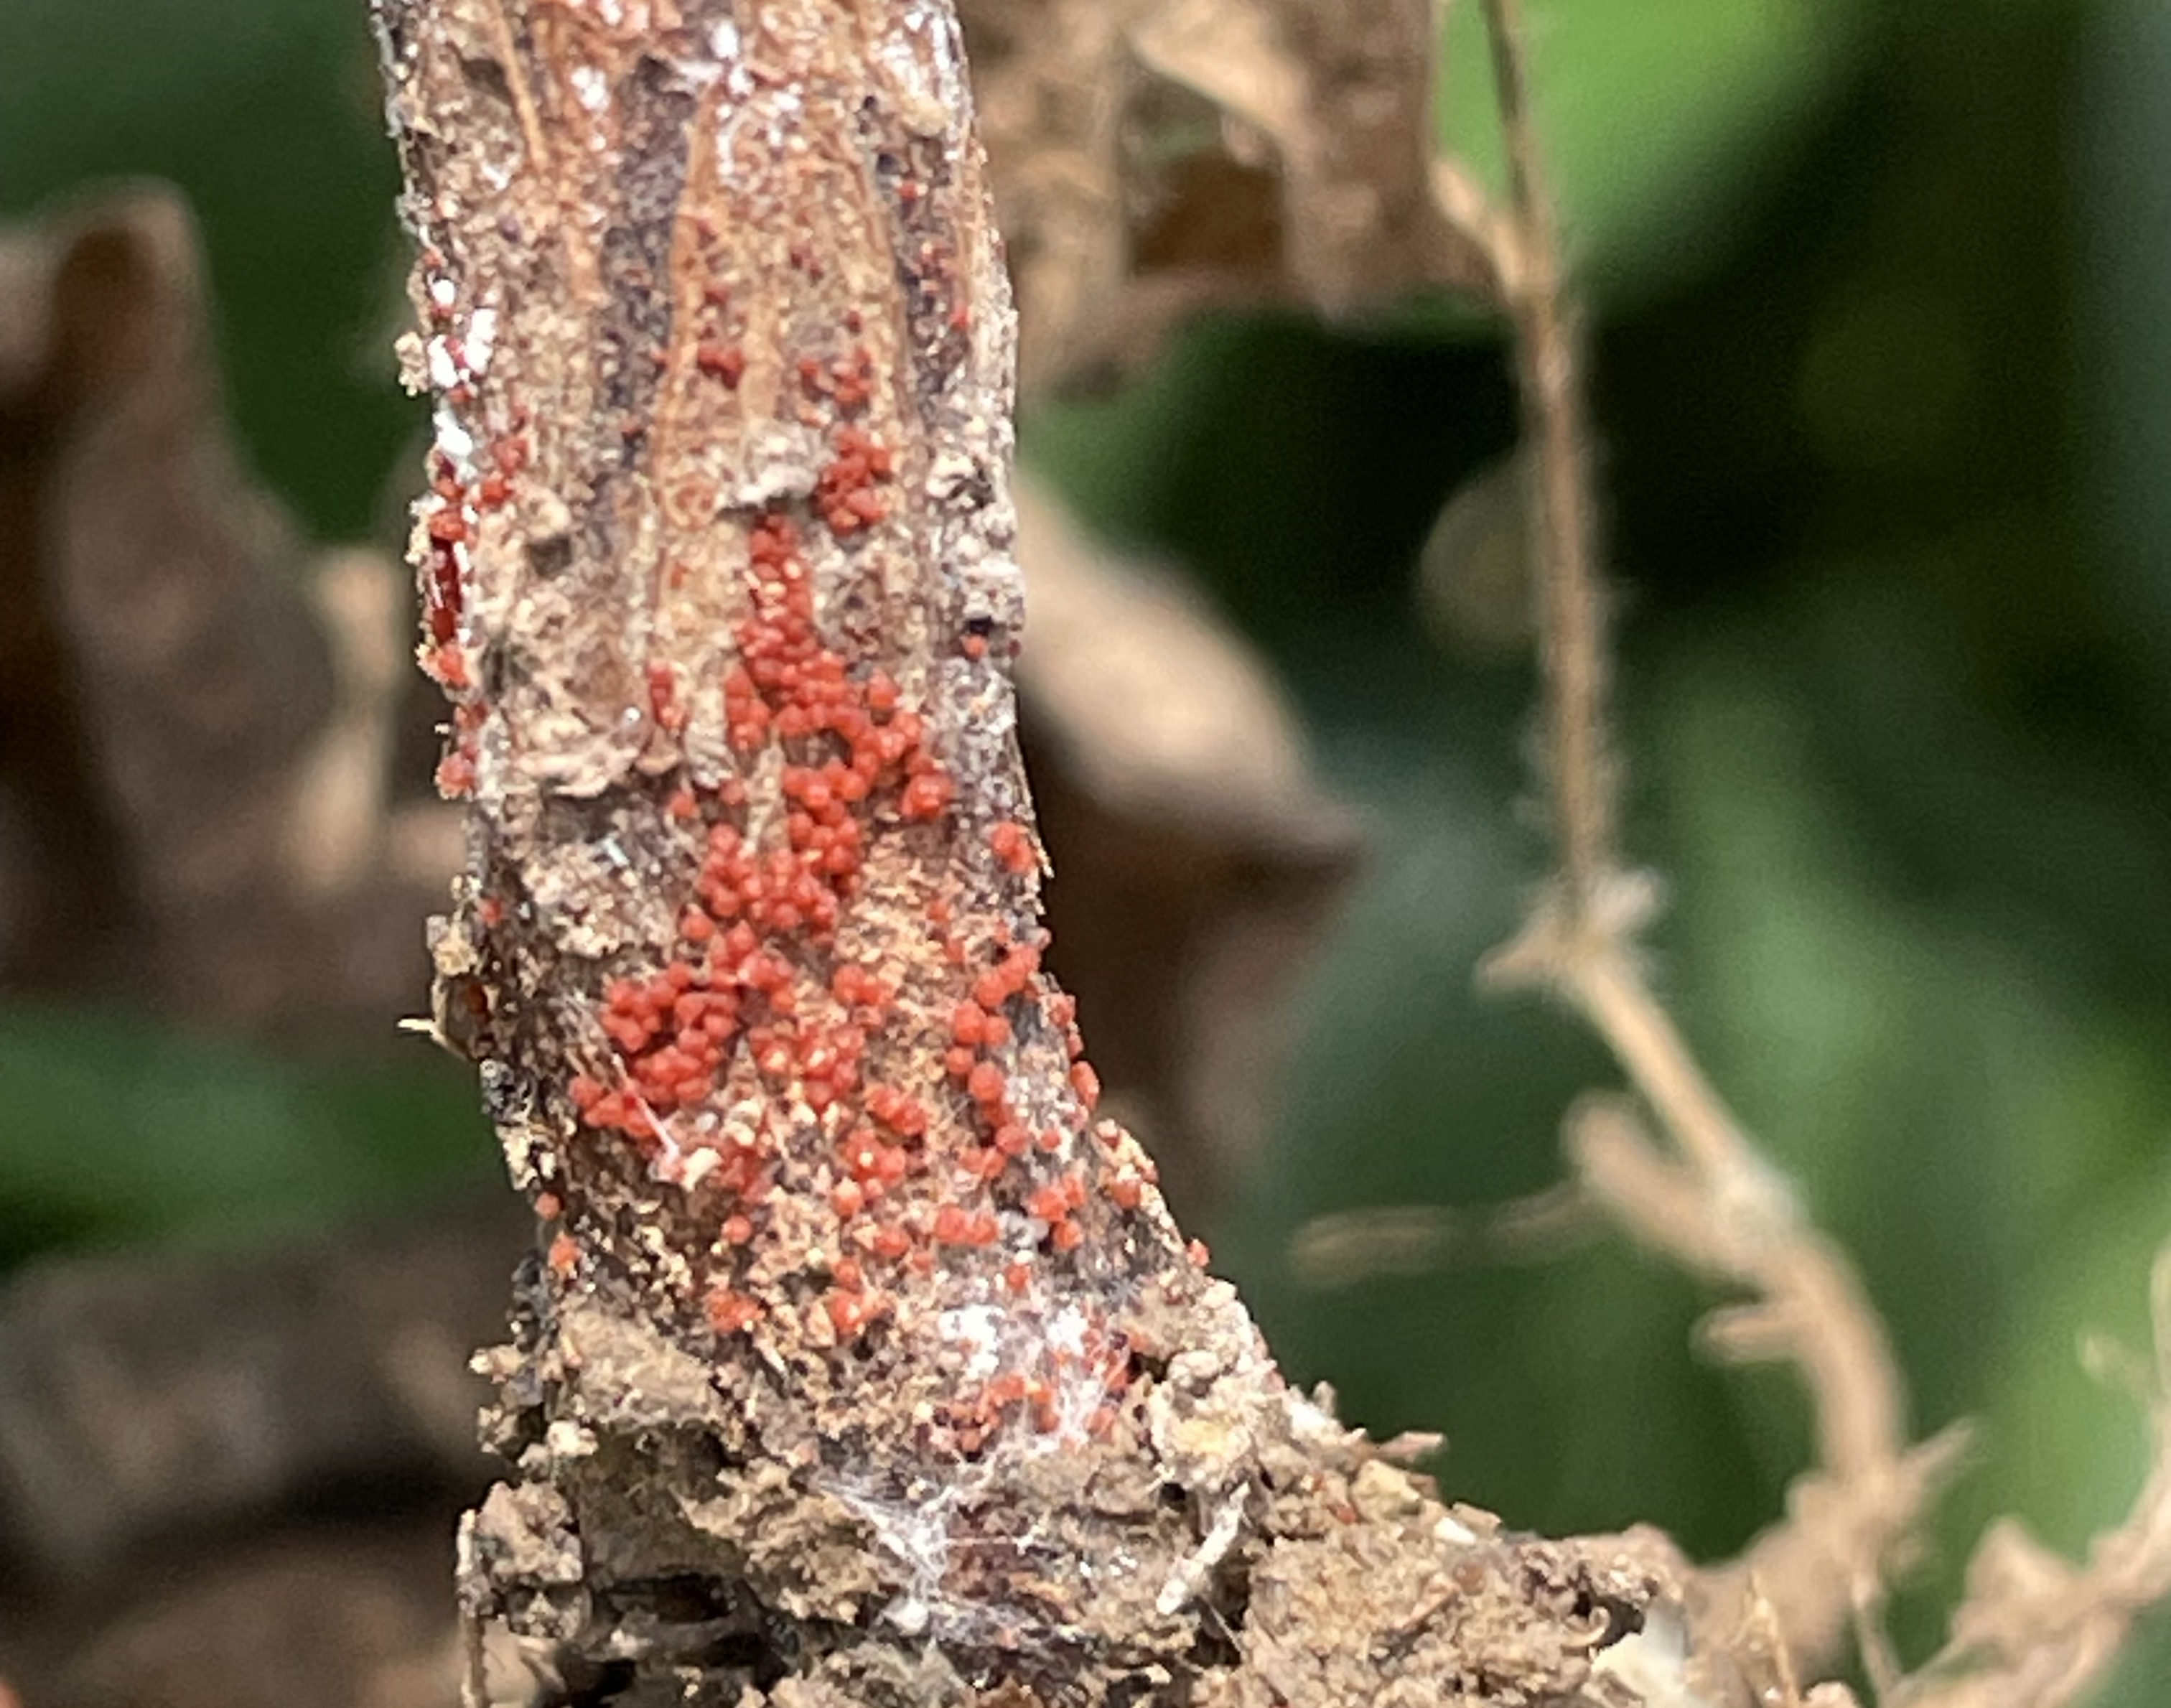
[853, 1327]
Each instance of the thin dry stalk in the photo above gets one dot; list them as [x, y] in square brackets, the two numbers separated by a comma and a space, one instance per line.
[2034, 1631]
[1571, 602]
[1714, 1204]
[2038, 1631]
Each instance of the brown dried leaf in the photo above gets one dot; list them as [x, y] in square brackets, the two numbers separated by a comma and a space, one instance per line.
[1153, 157]
[192, 754]
[152, 1396]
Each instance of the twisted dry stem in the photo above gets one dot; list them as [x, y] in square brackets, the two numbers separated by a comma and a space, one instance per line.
[1571, 602]
[859, 1362]
[2035, 1631]
[1717, 1205]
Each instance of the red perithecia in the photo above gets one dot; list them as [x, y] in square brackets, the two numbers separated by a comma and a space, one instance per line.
[663, 703]
[731, 1312]
[844, 492]
[768, 1000]
[720, 361]
[1013, 846]
[456, 774]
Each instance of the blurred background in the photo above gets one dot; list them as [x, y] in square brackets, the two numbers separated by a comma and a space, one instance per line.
[1879, 293]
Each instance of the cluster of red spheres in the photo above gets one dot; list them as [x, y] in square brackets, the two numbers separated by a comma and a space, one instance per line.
[755, 992]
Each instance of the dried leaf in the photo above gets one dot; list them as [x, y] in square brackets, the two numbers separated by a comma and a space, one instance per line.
[192, 764]
[1153, 157]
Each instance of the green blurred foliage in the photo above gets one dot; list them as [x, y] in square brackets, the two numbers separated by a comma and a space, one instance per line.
[1893, 674]
[1659, 122]
[1879, 293]
[117, 1130]
[269, 116]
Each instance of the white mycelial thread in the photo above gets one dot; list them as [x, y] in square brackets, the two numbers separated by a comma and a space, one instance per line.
[455, 442]
[979, 1327]
[481, 342]
[445, 369]
[916, 1532]
[591, 88]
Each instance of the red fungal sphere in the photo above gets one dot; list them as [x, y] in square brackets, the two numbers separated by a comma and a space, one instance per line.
[1012, 1140]
[1046, 1203]
[456, 774]
[730, 1311]
[925, 796]
[985, 1084]
[848, 1313]
[723, 362]
[1087, 1082]
[1013, 846]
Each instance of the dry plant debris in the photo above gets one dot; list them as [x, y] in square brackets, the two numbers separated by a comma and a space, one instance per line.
[694, 530]
[159, 1396]
[719, 574]
[2033, 1630]
[1153, 157]
[195, 710]
[861, 1361]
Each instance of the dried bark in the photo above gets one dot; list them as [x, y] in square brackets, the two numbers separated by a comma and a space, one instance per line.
[862, 1364]
[189, 821]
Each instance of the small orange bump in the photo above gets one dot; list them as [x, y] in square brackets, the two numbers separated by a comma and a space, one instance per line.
[1013, 846]
[730, 1311]
[1087, 1082]
[985, 1083]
